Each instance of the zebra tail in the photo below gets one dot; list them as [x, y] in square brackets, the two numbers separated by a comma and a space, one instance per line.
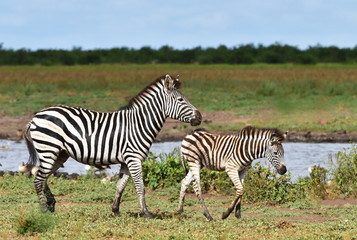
[184, 165]
[33, 159]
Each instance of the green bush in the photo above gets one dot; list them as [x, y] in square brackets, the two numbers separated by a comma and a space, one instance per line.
[216, 181]
[34, 221]
[344, 172]
[315, 185]
[163, 170]
[263, 185]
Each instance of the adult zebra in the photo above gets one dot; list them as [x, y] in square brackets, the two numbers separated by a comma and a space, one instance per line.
[100, 139]
[233, 154]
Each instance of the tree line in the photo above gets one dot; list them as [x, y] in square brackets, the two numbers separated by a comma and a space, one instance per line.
[242, 54]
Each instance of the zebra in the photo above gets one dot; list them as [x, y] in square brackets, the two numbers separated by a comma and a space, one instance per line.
[231, 153]
[103, 138]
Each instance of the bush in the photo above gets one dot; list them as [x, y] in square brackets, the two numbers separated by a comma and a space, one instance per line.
[344, 172]
[34, 221]
[315, 185]
[263, 185]
[163, 170]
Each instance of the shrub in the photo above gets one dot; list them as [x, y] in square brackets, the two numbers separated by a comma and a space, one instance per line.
[34, 221]
[263, 185]
[343, 171]
[162, 170]
[315, 185]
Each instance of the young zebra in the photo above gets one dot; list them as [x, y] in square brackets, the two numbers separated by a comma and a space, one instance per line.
[104, 138]
[233, 154]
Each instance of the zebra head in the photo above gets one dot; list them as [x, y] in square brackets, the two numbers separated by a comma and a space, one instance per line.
[275, 152]
[177, 106]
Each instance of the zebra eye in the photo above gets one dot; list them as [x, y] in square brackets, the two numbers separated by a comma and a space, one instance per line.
[275, 153]
[180, 99]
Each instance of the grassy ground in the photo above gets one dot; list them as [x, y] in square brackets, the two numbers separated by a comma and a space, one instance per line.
[292, 97]
[84, 212]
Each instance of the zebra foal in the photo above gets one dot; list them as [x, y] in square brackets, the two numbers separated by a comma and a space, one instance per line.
[103, 138]
[233, 154]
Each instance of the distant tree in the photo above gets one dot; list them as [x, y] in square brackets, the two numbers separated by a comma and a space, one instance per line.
[242, 54]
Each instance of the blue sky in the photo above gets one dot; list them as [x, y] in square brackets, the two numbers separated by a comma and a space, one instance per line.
[47, 24]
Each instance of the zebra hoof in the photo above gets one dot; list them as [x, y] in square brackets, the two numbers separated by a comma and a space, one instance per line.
[208, 216]
[51, 208]
[148, 215]
[180, 211]
[237, 214]
[210, 219]
[46, 208]
[225, 215]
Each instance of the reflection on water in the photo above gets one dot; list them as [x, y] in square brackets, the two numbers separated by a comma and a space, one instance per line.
[298, 156]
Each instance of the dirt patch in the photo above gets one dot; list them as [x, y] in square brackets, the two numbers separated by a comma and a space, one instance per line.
[11, 128]
[306, 218]
[284, 224]
[347, 202]
[289, 216]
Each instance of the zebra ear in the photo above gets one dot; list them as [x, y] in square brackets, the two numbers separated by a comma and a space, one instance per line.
[169, 83]
[274, 139]
[285, 135]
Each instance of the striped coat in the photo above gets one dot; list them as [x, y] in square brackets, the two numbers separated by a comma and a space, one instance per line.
[100, 139]
[231, 153]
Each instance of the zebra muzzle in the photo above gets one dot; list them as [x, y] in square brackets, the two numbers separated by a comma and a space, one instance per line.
[197, 120]
[282, 169]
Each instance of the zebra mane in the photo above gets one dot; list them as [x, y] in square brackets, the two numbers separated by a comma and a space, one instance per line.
[176, 85]
[249, 130]
[199, 130]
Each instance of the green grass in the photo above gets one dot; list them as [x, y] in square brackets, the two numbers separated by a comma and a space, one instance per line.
[80, 214]
[273, 207]
[321, 97]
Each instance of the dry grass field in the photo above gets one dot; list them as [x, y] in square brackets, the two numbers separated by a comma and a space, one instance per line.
[294, 97]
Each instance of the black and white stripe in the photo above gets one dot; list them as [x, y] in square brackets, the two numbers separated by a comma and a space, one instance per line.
[233, 154]
[104, 138]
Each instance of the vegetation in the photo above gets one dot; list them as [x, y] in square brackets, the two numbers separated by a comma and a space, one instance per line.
[242, 54]
[292, 97]
[274, 207]
[344, 172]
[319, 97]
[261, 183]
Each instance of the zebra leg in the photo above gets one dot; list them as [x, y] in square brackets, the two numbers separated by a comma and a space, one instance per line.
[47, 167]
[198, 191]
[233, 175]
[39, 182]
[51, 201]
[135, 170]
[123, 180]
[237, 213]
[241, 177]
[184, 185]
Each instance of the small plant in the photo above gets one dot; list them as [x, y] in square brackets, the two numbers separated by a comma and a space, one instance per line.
[344, 172]
[315, 185]
[263, 185]
[163, 170]
[216, 181]
[34, 221]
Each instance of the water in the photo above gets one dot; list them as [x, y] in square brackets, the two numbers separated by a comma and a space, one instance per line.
[298, 156]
